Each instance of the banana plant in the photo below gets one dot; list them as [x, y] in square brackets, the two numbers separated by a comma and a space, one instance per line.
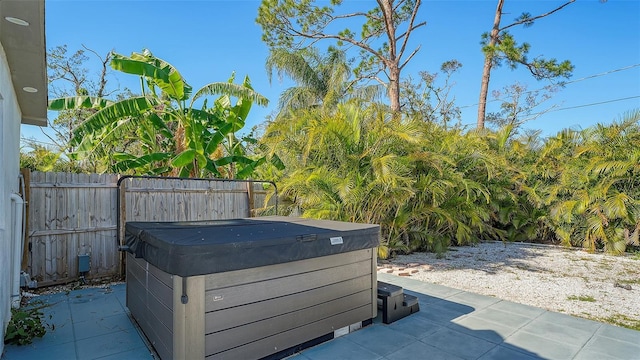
[168, 129]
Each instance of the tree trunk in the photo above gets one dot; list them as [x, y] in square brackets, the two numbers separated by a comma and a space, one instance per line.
[488, 62]
[394, 88]
[392, 62]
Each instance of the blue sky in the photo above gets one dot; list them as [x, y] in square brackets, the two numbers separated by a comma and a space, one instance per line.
[208, 40]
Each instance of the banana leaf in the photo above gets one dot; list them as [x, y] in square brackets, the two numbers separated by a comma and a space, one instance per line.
[78, 102]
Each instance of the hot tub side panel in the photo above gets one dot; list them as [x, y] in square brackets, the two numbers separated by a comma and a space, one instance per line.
[150, 301]
[256, 312]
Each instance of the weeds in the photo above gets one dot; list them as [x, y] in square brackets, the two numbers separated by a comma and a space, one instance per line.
[623, 320]
[586, 298]
[630, 281]
[25, 325]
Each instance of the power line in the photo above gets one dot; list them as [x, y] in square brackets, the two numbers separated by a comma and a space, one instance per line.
[30, 140]
[593, 104]
[570, 82]
[601, 74]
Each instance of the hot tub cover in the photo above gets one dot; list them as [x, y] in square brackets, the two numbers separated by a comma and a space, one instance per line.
[205, 247]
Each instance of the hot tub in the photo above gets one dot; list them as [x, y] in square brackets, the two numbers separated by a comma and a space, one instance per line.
[249, 288]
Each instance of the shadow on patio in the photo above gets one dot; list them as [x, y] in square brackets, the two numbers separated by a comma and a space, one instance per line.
[93, 323]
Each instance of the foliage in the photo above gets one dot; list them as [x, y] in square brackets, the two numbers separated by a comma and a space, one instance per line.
[69, 76]
[322, 80]
[428, 100]
[430, 187]
[594, 187]
[168, 130]
[500, 47]
[423, 184]
[25, 325]
[342, 166]
[507, 51]
[382, 45]
[519, 105]
[41, 158]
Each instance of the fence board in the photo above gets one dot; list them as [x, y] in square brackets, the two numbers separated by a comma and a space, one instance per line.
[77, 214]
[71, 215]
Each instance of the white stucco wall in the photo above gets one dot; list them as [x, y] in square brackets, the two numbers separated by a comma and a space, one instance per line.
[9, 170]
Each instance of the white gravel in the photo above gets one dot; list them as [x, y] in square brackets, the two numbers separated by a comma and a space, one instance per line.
[595, 286]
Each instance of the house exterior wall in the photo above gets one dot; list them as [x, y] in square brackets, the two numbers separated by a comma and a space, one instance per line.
[10, 116]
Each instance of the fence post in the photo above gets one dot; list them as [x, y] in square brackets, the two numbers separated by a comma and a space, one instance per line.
[122, 220]
[251, 199]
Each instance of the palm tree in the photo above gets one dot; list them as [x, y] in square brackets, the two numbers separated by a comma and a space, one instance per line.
[321, 81]
[594, 198]
[346, 165]
[424, 185]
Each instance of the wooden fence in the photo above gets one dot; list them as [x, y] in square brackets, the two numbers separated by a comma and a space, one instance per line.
[80, 214]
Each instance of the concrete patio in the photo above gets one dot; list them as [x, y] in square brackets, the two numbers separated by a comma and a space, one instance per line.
[93, 323]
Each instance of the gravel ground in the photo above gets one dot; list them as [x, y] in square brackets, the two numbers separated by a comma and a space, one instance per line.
[594, 286]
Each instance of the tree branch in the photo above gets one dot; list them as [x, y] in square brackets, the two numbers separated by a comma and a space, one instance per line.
[409, 57]
[409, 29]
[523, 21]
[348, 16]
[103, 74]
[320, 36]
[413, 28]
[395, 8]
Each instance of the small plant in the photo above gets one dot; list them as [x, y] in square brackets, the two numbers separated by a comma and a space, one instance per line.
[586, 298]
[629, 281]
[25, 325]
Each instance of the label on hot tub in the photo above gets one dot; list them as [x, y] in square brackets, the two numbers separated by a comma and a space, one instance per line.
[336, 240]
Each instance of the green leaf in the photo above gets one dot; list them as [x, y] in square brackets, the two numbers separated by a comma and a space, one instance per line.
[184, 158]
[218, 137]
[160, 125]
[277, 162]
[210, 120]
[141, 161]
[161, 72]
[78, 102]
[236, 90]
[136, 106]
[239, 159]
[249, 169]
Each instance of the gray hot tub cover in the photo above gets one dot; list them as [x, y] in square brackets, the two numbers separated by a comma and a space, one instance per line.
[205, 247]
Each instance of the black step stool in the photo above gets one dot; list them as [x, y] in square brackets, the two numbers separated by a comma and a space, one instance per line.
[395, 304]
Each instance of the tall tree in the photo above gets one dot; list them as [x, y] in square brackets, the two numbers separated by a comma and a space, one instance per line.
[294, 24]
[320, 80]
[69, 74]
[500, 46]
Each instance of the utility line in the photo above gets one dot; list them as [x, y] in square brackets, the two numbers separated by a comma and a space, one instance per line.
[29, 140]
[571, 82]
[601, 74]
[592, 104]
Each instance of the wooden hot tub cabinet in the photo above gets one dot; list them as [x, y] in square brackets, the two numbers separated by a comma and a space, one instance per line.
[248, 288]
